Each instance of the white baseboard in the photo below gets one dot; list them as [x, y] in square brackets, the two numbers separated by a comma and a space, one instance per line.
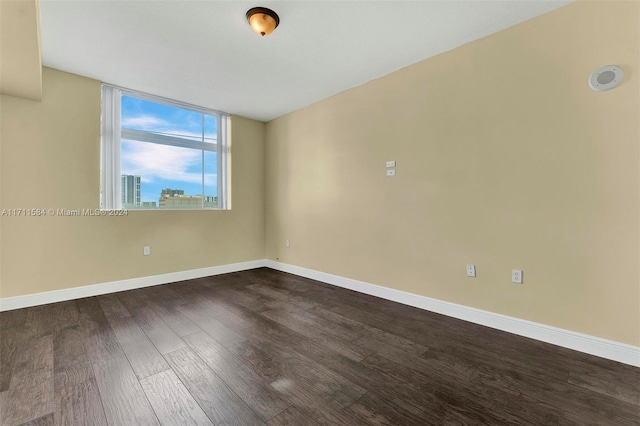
[10, 303]
[603, 348]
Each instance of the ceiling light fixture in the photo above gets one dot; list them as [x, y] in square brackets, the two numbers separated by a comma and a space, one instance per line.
[262, 20]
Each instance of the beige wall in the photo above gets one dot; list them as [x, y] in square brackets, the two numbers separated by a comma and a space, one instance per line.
[505, 158]
[20, 52]
[51, 159]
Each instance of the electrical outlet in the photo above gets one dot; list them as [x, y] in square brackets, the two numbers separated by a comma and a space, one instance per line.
[516, 276]
[287, 243]
[146, 250]
[471, 270]
[391, 163]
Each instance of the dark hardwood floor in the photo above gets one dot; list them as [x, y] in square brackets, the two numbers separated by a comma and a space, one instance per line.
[264, 347]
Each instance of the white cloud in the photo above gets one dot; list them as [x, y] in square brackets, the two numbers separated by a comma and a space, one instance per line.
[144, 122]
[154, 161]
[155, 124]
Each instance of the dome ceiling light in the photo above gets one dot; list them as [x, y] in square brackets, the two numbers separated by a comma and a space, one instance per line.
[262, 20]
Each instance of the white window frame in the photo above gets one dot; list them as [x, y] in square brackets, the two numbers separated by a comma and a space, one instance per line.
[111, 149]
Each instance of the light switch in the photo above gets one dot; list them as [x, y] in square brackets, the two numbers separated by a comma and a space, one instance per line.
[391, 172]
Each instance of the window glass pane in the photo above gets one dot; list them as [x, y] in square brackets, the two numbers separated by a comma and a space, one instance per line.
[169, 176]
[140, 114]
[210, 179]
[166, 154]
[210, 129]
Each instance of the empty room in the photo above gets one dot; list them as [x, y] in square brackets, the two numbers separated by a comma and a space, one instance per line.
[319, 212]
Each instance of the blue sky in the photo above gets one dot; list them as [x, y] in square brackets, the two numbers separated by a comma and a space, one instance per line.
[163, 166]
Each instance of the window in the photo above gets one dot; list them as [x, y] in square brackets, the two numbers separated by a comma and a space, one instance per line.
[161, 154]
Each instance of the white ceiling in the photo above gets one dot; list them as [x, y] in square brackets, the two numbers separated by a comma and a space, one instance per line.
[204, 52]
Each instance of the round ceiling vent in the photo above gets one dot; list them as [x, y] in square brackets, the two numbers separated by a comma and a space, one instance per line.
[606, 78]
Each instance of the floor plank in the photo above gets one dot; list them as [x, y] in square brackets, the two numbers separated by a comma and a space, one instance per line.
[253, 390]
[371, 338]
[175, 319]
[77, 397]
[171, 401]
[623, 385]
[254, 301]
[113, 307]
[394, 387]
[287, 367]
[46, 319]
[68, 347]
[40, 321]
[202, 318]
[293, 416]
[12, 332]
[306, 334]
[14, 318]
[10, 340]
[160, 334]
[31, 391]
[300, 302]
[298, 377]
[507, 407]
[135, 299]
[99, 340]
[217, 400]
[581, 404]
[121, 394]
[306, 323]
[41, 421]
[141, 353]
[376, 410]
